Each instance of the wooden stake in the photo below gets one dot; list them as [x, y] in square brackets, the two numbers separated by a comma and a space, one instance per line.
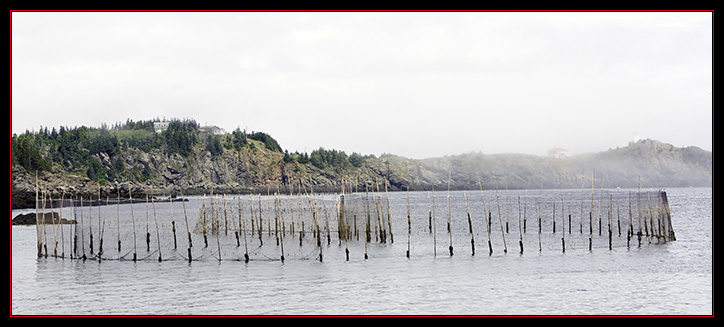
[409, 223]
[148, 232]
[226, 219]
[242, 227]
[100, 237]
[73, 233]
[158, 234]
[37, 218]
[590, 215]
[537, 213]
[500, 218]
[276, 218]
[582, 197]
[563, 221]
[133, 219]
[42, 224]
[470, 224]
[429, 220]
[326, 225]
[281, 238]
[525, 210]
[610, 231]
[52, 221]
[82, 234]
[520, 227]
[389, 214]
[507, 209]
[291, 208]
[434, 225]
[665, 199]
[368, 236]
[449, 218]
[638, 204]
[90, 223]
[618, 211]
[251, 215]
[482, 197]
[118, 215]
[260, 228]
[186, 220]
[62, 233]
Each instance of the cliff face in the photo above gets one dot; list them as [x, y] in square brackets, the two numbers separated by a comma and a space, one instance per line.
[256, 169]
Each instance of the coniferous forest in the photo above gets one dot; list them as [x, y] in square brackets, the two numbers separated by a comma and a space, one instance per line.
[79, 150]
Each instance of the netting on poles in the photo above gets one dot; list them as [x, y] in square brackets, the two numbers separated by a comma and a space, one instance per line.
[310, 227]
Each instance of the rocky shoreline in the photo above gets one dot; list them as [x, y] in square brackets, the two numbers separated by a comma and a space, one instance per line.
[651, 163]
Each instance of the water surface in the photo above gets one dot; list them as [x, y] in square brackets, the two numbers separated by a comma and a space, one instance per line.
[656, 278]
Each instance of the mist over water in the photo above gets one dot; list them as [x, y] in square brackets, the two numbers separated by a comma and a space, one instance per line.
[656, 278]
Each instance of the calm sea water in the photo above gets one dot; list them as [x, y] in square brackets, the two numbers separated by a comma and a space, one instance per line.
[656, 278]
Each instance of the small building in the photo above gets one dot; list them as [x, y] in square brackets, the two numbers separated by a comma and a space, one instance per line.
[214, 130]
[557, 152]
[160, 126]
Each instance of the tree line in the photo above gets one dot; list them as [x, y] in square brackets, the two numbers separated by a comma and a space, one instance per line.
[94, 152]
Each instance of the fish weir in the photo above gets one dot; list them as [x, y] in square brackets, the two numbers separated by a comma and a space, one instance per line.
[648, 213]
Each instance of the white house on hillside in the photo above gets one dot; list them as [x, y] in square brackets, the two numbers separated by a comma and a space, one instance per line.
[215, 130]
[160, 126]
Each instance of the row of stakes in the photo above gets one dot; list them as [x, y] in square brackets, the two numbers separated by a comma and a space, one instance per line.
[647, 221]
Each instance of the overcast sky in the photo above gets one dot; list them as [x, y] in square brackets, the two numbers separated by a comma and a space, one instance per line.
[416, 84]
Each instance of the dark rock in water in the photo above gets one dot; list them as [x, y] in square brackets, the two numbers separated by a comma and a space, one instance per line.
[47, 218]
